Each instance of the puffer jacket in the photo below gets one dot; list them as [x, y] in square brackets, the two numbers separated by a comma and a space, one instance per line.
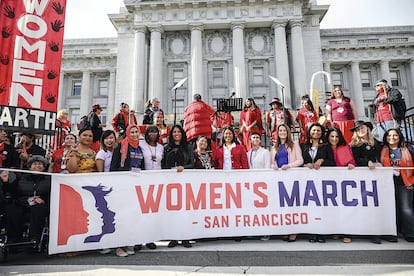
[197, 120]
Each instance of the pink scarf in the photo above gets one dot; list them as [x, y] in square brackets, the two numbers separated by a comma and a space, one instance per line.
[126, 142]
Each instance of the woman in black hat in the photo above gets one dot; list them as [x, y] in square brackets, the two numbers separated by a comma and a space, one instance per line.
[365, 150]
[278, 115]
[364, 146]
[96, 126]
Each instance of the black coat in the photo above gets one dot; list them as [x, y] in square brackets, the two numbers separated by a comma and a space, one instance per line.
[95, 122]
[116, 160]
[365, 153]
[324, 152]
[178, 156]
[30, 185]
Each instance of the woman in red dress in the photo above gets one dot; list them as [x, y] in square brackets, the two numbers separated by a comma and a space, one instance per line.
[250, 121]
[341, 113]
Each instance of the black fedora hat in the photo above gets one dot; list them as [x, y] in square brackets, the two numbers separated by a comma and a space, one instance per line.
[360, 123]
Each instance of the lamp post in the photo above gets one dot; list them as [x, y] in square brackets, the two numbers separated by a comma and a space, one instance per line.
[281, 86]
[316, 101]
[178, 85]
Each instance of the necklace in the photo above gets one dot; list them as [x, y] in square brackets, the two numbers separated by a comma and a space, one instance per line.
[153, 154]
[205, 160]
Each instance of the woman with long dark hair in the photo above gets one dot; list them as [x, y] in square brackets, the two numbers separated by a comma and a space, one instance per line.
[230, 155]
[178, 155]
[398, 154]
[250, 121]
[317, 153]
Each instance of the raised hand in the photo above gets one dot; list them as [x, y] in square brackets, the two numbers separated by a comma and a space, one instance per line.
[51, 74]
[57, 7]
[5, 32]
[4, 59]
[57, 25]
[9, 12]
[54, 46]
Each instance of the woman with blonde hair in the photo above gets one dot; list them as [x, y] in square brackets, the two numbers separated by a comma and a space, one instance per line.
[364, 146]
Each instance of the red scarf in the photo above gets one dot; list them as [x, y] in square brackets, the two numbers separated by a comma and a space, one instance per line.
[406, 161]
[126, 142]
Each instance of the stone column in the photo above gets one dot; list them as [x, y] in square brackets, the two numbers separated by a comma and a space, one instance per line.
[410, 84]
[61, 93]
[86, 94]
[155, 79]
[239, 66]
[111, 109]
[357, 90]
[138, 81]
[298, 60]
[385, 70]
[196, 77]
[281, 61]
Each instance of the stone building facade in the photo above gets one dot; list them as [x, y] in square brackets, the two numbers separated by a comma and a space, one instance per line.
[227, 48]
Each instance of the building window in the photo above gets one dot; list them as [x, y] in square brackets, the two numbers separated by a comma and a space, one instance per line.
[103, 87]
[74, 115]
[178, 74]
[395, 78]
[337, 79]
[76, 87]
[180, 106]
[103, 116]
[366, 79]
[258, 75]
[218, 77]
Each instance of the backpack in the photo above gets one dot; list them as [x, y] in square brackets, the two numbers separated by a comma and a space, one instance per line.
[84, 122]
[398, 105]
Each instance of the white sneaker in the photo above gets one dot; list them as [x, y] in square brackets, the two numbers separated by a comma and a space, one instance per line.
[265, 238]
[130, 250]
[120, 252]
[105, 251]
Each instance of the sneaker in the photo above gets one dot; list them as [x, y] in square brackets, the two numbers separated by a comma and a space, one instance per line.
[265, 238]
[186, 244]
[390, 238]
[151, 245]
[120, 252]
[130, 250]
[376, 240]
[105, 251]
[347, 240]
[172, 244]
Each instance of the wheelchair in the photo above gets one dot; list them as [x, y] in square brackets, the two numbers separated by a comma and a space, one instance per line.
[7, 246]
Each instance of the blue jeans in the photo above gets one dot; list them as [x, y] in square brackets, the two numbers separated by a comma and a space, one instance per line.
[383, 127]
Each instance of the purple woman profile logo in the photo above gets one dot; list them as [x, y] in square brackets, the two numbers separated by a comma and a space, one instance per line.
[108, 216]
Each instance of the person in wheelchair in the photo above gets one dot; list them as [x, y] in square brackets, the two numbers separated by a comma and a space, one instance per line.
[31, 194]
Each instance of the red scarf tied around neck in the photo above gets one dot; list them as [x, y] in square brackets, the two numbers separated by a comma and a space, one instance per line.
[126, 142]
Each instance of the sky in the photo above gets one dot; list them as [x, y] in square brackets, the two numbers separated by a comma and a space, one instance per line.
[88, 18]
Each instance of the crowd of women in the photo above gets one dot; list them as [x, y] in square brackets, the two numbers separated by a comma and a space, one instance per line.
[343, 144]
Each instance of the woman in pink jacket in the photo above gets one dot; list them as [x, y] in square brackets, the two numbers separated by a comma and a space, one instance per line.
[231, 155]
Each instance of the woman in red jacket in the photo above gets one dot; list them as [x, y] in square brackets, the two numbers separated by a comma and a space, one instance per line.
[231, 155]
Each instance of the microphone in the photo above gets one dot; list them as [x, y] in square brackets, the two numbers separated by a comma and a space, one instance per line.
[232, 95]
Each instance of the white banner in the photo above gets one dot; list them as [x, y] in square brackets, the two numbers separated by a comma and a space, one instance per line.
[106, 210]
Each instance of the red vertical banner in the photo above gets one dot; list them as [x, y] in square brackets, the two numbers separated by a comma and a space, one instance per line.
[30, 58]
